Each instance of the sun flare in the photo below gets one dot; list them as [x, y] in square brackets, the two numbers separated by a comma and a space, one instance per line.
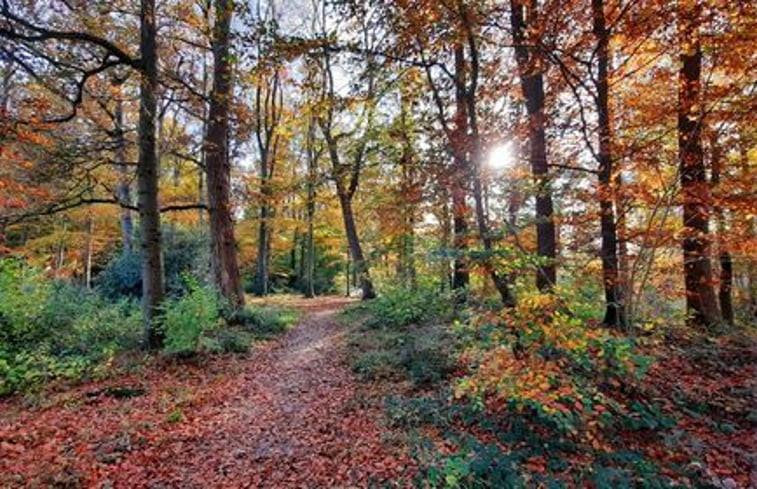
[501, 156]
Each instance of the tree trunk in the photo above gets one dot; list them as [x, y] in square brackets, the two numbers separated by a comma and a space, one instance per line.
[261, 262]
[532, 84]
[701, 303]
[123, 189]
[356, 251]
[223, 244]
[473, 142]
[724, 255]
[88, 251]
[153, 288]
[310, 213]
[409, 199]
[460, 174]
[614, 308]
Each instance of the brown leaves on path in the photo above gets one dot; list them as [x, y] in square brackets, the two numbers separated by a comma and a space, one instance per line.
[290, 414]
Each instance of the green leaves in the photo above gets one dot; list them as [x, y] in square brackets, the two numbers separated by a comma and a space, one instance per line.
[187, 321]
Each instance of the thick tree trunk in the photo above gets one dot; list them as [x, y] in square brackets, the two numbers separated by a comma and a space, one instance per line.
[153, 288]
[356, 251]
[532, 84]
[701, 302]
[614, 308]
[223, 244]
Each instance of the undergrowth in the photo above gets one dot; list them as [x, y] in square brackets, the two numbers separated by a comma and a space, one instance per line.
[535, 396]
[402, 336]
[57, 331]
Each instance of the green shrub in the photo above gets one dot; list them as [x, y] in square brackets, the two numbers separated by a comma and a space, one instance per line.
[399, 307]
[186, 260]
[56, 330]
[233, 340]
[122, 276]
[263, 322]
[188, 322]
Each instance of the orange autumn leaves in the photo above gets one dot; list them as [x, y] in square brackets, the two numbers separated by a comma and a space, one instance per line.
[547, 360]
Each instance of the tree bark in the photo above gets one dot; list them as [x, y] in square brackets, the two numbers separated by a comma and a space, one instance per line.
[460, 174]
[268, 104]
[123, 189]
[223, 244]
[88, 251]
[614, 309]
[701, 302]
[261, 262]
[310, 210]
[153, 288]
[724, 255]
[408, 194]
[532, 84]
[356, 251]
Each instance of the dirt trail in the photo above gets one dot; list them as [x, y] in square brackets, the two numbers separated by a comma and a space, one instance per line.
[288, 415]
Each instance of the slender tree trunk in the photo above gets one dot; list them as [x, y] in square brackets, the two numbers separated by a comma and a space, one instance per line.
[310, 213]
[61, 252]
[356, 251]
[614, 308]
[724, 255]
[89, 250]
[347, 272]
[123, 189]
[532, 84]
[409, 200]
[460, 174]
[268, 104]
[446, 281]
[261, 263]
[153, 288]
[473, 142]
[223, 244]
[624, 277]
[701, 302]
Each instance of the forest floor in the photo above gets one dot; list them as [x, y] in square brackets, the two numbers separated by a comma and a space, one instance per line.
[288, 414]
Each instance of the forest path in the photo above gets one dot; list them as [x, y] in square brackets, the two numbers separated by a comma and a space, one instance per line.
[290, 414]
